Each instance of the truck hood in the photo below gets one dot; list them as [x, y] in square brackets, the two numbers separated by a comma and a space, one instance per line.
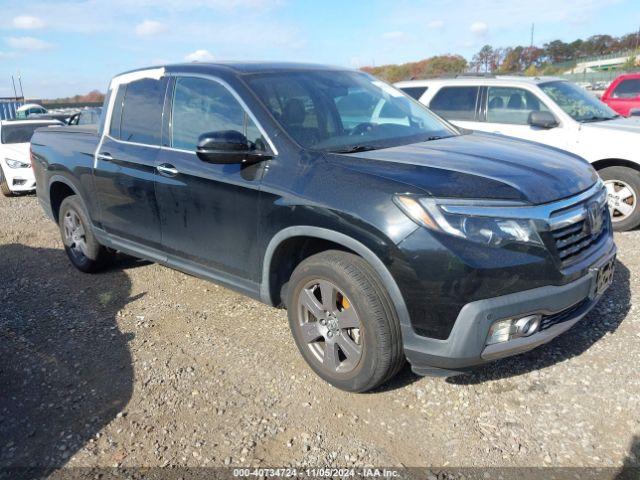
[629, 125]
[478, 166]
[15, 151]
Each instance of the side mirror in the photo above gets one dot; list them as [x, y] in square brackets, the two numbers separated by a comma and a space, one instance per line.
[227, 146]
[542, 120]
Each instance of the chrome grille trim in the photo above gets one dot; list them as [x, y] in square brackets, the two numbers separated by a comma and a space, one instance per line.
[544, 213]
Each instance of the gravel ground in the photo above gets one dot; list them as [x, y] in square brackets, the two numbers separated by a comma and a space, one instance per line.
[145, 366]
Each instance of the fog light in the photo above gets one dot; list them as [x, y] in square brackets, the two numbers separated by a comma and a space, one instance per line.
[510, 328]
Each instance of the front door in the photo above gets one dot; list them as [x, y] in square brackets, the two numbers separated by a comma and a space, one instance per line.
[209, 212]
[507, 113]
[125, 165]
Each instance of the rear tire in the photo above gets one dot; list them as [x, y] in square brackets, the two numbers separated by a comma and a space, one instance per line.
[343, 321]
[623, 194]
[4, 186]
[83, 250]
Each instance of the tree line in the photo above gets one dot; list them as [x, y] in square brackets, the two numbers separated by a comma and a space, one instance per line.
[532, 60]
[94, 96]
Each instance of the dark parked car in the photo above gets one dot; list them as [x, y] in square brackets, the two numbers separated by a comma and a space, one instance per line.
[386, 232]
[87, 116]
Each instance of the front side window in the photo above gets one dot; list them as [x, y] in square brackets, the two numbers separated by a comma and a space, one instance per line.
[512, 105]
[579, 104]
[456, 103]
[342, 110]
[142, 112]
[201, 106]
[628, 89]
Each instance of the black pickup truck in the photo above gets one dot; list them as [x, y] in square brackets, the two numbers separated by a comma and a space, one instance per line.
[386, 232]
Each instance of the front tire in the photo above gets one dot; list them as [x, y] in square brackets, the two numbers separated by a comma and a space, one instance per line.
[82, 248]
[4, 186]
[343, 321]
[623, 195]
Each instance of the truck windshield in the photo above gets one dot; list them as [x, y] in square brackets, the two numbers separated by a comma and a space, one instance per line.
[345, 111]
[577, 102]
[19, 133]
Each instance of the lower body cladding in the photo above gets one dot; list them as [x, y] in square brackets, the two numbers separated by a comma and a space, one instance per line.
[499, 327]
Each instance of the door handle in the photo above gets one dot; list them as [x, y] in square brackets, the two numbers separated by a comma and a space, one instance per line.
[167, 170]
[105, 156]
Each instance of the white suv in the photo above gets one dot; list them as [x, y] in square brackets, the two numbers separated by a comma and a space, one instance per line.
[549, 111]
[16, 174]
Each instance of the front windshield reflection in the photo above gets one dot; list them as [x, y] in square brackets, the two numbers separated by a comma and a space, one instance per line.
[345, 111]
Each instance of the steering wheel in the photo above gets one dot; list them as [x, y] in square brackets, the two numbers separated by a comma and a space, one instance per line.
[362, 128]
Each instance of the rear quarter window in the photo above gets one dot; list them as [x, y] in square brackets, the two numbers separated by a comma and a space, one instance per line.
[414, 92]
[456, 103]
[116, 113]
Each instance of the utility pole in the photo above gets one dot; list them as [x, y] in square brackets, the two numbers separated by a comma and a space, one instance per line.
[533, 25]
[20, 83]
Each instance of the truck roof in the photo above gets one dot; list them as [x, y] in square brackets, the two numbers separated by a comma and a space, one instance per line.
[238, 67]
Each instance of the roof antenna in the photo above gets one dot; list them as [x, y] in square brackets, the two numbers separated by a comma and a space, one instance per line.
[15, 94]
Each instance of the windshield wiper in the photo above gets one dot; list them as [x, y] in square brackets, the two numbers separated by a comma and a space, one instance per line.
[355, 149]
[599, 119]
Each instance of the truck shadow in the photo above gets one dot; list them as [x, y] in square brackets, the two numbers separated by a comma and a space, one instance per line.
[603, 319]
[66, 369]
[631, 467]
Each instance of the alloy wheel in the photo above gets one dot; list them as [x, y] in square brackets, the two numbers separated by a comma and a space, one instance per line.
[330, 326]
[621, 198]
[74, 234]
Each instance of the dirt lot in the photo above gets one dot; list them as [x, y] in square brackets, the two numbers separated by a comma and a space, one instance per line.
[145, 366]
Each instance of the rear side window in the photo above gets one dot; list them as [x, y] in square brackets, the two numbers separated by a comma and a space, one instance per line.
[142, 112]
[19, 133]
[628, 89]
[414, 92]
[456, 103]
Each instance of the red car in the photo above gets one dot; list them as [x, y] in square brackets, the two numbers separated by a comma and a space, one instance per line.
[623, 95]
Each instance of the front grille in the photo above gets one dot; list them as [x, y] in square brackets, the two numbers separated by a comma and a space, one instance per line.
[580, 228]
[556, 318]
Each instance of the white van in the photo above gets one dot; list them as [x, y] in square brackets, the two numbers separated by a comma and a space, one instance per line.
[549, 111]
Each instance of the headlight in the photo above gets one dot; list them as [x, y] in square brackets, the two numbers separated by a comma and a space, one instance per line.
[486, 229]
[16, 163]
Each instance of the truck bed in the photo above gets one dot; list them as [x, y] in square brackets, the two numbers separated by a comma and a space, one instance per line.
[64, 153]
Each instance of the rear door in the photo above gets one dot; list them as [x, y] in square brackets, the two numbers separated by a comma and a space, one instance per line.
[459, 104]
[209, 211]
[125, 167]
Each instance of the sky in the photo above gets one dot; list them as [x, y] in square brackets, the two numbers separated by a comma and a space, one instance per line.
[68, 47]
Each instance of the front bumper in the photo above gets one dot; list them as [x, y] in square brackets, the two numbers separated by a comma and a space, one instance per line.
[466, 345]
[19, 179]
